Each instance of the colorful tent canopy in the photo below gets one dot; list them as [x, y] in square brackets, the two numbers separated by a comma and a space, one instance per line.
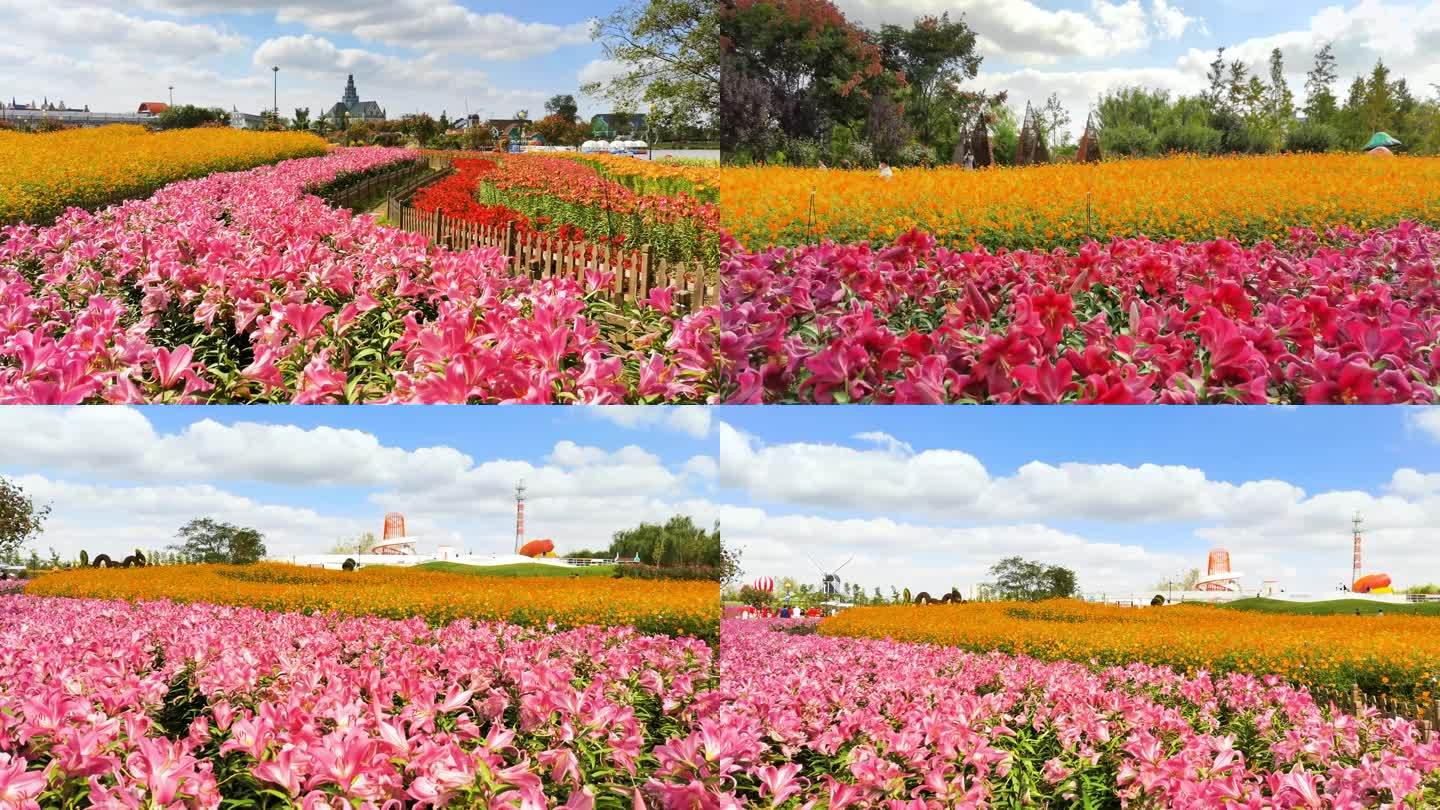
[1380, 139]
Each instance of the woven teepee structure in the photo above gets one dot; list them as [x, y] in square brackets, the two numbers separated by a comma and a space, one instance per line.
[1031, 149]
[1089, 151]
[980, 145]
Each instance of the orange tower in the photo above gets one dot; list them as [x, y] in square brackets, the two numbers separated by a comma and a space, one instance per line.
[394, 526]
[1218, 576]
[394, 539]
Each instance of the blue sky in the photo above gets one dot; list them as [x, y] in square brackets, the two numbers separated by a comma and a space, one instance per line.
[310, 476]
[408, 55]
[1078, 49]
[930, 497]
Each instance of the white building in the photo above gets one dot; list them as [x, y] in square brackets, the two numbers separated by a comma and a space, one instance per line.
[241, 120]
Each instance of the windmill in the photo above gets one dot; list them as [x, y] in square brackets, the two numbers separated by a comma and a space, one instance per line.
[830, 581]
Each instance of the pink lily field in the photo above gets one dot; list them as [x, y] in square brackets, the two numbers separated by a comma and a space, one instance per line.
[117, 704]
[812, 721]
[244, 287]
[1351, 318]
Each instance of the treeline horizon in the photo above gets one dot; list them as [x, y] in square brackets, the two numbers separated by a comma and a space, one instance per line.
[802, 85]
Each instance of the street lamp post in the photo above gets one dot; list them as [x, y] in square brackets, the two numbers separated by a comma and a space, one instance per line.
[276, 91]
[172, 95]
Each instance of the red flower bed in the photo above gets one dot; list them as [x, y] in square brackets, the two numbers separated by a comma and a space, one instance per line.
[454, 197]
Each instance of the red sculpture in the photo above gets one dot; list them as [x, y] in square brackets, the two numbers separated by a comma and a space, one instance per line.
[536, 548]
[1371, 583]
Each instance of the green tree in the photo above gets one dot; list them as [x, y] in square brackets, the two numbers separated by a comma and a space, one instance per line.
[729, 565]
[1019, 578]
[676, 542]
[794, 69]
[1236, 84]
[1379, 108]
[301, 121]
[1279, 101]
[1351, 118]
[1004, 135]
[669, 57]
[424, 128]
[558, 130]
[20, 519]
[1215, 77]
[1320, 103]
[1054, 120]
[563, 105]
[186, 116]
[931, 54]
[204, 540]
[358, 545]
[755, 598]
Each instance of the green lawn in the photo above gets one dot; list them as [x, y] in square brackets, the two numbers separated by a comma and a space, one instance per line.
[1333, 607]
[519, 570]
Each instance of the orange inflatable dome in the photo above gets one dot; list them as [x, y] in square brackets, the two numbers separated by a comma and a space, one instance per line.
[536, 548]
[1371, 582]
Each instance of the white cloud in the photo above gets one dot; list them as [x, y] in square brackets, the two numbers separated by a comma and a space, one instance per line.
[889, 553]
[1172, 22]
[112, 477]
[1024, 32]
[1275, 522]
[692, 420]
[54, 26]
[413, 24]
[705, 467]
[599, 70]
[1427, 421]
[885, 440]
[835, 476]
[122, 443]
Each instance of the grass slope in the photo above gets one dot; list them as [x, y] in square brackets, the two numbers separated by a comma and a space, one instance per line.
[1333, 607]
[518, 570]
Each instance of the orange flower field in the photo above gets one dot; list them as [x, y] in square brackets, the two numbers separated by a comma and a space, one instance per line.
[1190, 198]
[88, 168]
[663, 176]
[1396, 656]
[671, 607]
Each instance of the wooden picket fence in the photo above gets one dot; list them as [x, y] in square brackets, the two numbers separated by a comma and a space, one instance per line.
[541, 256]
[387, 183]
[1424, 715]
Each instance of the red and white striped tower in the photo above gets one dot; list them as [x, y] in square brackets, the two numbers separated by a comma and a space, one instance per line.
[1355, 569]
[519, 514]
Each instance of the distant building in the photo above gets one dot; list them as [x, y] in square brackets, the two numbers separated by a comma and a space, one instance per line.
[609, 126]
[240, 120]
[350, 106]
[152, 107]
[44, 106]
[512, 129]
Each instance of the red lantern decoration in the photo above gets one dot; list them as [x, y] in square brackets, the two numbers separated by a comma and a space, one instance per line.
[764, 585]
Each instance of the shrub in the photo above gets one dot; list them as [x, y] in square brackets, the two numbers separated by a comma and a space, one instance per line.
[690, 572]
[1127, 139]
[1192, 137]
[1310, 136]
[915, 154]
[1247, 140]
[186, 116]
